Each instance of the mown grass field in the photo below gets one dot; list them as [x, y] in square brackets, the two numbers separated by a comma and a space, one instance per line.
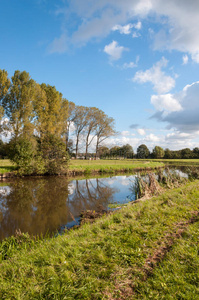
[111, 166]
[148, 250]
[176, 162]
[6, 166]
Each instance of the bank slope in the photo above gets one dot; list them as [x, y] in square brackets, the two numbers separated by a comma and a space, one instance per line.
[138, 252]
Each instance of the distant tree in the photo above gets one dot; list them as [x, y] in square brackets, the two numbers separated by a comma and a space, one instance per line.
[186, 153]
[115, 151]
[143, 151]
[103, 151]
[127, 151]
[71, 118]
[104, 129]
[167, 153]
[92, 122]
[196, 152]
[80, 123]
[158, 152]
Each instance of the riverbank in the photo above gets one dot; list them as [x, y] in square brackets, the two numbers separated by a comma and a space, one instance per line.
[93, 167]
[145, 250]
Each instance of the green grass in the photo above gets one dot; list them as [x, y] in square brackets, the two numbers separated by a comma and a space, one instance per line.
[177, 162]
[106, 259]
[6, 166]
[111, 166]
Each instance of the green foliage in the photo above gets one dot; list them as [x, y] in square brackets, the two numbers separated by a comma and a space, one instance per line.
[21, 152]
[158, 152]
[143, 151]
[53, 152]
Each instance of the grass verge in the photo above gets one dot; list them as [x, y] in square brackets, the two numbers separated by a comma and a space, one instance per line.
[108, 259]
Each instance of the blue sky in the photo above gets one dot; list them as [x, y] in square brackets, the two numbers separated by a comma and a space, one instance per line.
[137, 60]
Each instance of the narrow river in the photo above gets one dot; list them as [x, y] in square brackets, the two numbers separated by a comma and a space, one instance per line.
[48, 204]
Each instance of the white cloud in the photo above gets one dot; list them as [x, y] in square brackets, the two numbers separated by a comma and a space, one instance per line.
[114, 50]
[141, 131]
[123, 29]
[152, 138]
[178, 19]
[135, 35]
[138, 26]
[125, 133]
[126, 29]
[131, 64]
[162, 83]
[184, 120]
[165, 102]
[185, 59]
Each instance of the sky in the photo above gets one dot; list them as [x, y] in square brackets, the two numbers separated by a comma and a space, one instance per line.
[137, 60]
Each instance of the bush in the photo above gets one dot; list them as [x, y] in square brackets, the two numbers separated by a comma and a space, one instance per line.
[52, 151]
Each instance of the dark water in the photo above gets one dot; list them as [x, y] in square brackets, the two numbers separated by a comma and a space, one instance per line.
[41, 205]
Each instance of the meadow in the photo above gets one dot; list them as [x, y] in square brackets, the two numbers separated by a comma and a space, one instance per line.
[112, 165]
[146, 250]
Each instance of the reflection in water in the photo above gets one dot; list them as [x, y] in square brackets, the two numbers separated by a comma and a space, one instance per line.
[42, 205]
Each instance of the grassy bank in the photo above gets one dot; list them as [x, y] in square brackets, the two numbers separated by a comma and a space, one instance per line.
[111, 166]
[148, 250]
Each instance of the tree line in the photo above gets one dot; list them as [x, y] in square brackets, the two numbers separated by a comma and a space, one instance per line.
[38, 119]
[126, 151]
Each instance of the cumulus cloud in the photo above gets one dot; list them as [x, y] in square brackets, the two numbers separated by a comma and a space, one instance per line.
[114, 50]
[131, 64]
[184, 120]
[179, 28]
[123, 29]
[125, 133]
[126, 29]
[165, 102]
[185, 59]
[162, 83]
[141, 131]
[152, 138]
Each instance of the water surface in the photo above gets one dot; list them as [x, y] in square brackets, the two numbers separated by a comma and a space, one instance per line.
[48, 204]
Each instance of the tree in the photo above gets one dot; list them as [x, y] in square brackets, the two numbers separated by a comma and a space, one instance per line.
[80, 123]
[115, 151]
[158, 152]
[53, 154]
[71, 118]
[17, 101]
[104, 129]
[186, 153]
[103, 151]
[196, 152]
[51, 111]
[143, 151]
[92, 119]
[167, 153]
[127, 151]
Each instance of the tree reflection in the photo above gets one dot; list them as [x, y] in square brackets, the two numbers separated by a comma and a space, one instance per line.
[43, 205]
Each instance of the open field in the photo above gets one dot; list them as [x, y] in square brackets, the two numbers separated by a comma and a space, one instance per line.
[177, 162]
[148, 250]
[111, 166]
[6, 166]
